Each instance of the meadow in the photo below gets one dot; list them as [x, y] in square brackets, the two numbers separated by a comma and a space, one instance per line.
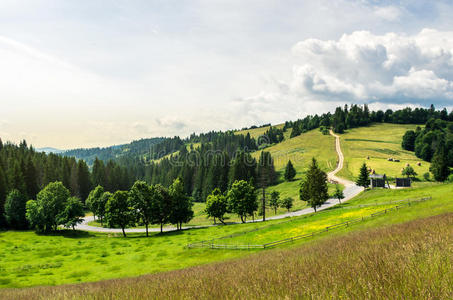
[29, 259]
[409, 260]
[378, 142]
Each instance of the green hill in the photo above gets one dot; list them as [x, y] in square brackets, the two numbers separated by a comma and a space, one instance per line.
[374, 145]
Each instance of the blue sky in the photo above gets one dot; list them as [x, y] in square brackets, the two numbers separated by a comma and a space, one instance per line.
[97, 73]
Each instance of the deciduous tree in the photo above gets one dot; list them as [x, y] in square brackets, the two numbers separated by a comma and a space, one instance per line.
[242, 199]
[15, 210]
[118, 211]
[140, 197]
[216, 205]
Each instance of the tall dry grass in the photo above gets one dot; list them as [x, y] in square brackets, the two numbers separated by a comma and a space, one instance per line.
[410, 260]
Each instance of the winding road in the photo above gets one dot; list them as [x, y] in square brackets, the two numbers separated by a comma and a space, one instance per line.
[350, 191]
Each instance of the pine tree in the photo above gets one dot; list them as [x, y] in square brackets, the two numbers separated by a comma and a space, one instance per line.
[363, 179]
[3, 190]
[290, 172]
[439, 164]
[313, 188]
[83, 180]
[338, 193]
[31, 179]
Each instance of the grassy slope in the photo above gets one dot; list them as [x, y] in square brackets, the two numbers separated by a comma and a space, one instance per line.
[257, 132]
[410, 260]
[28, 259]
[379, 142]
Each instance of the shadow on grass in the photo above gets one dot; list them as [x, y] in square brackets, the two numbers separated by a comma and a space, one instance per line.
[68, 233]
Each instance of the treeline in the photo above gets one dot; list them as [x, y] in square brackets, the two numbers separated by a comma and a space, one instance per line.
[142, 204]
[356, 116]
[433, 143]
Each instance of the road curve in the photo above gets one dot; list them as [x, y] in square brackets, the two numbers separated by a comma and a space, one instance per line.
[350, 191]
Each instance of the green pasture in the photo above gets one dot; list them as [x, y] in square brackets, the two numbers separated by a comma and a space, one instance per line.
[30, 259]
[373, 145]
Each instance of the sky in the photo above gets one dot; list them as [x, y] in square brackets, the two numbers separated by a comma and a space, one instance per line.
[94, 73]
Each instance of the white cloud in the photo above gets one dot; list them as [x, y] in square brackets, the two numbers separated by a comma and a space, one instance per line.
[365, 67]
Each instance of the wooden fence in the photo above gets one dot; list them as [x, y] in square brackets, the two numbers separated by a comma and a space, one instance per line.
[210, 243]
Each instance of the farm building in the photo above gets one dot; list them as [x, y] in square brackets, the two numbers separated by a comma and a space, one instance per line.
[403, 182]
[377, 180]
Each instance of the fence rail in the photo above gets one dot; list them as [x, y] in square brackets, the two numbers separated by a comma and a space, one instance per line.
[210, 244]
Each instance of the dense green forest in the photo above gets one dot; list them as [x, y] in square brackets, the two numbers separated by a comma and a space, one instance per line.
[433, 143]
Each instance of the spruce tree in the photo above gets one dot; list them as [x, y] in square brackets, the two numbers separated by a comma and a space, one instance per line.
[338, 193]
[3, 189]
[290, 172]
[363, 179]
[439, 164]
[313, 188]
[83, 180]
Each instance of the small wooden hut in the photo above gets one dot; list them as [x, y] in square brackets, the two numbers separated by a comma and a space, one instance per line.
[403, 182]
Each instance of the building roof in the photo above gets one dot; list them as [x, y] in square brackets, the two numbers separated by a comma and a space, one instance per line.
[377, 176]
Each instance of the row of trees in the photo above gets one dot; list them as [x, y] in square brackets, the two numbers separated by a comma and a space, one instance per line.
[143, 204]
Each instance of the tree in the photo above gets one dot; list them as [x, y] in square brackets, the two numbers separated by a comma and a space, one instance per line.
[140, 198]
[290, 172]
[181, 207]
[44, 213]
[408, 142]
[93, 200]
[439, 166]
[409, 172]
[31, 177]
[313, 188]
[3, 189]
[216, 205]
[73, 213]
[15, 210]
[363, 179]
[266, 176]
[84, 180]
[161, 208]
[275, 201]
[242, 199]
[287, 203]
[101, 206]
[338, 193]
[118, 212]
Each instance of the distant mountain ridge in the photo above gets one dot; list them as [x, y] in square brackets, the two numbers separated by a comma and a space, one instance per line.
[140, 148]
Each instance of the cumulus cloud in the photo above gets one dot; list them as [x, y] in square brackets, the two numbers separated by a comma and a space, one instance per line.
[365, 67]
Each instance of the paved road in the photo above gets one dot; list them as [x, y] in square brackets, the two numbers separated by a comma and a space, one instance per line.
[350, 191]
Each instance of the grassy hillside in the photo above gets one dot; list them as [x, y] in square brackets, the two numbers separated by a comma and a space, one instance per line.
[257, 132]
[29, 259]
[378, 142]
[409, 260]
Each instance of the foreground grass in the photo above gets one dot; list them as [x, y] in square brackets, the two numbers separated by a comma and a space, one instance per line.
[409, 260]
[28, 259]
[378, 142]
